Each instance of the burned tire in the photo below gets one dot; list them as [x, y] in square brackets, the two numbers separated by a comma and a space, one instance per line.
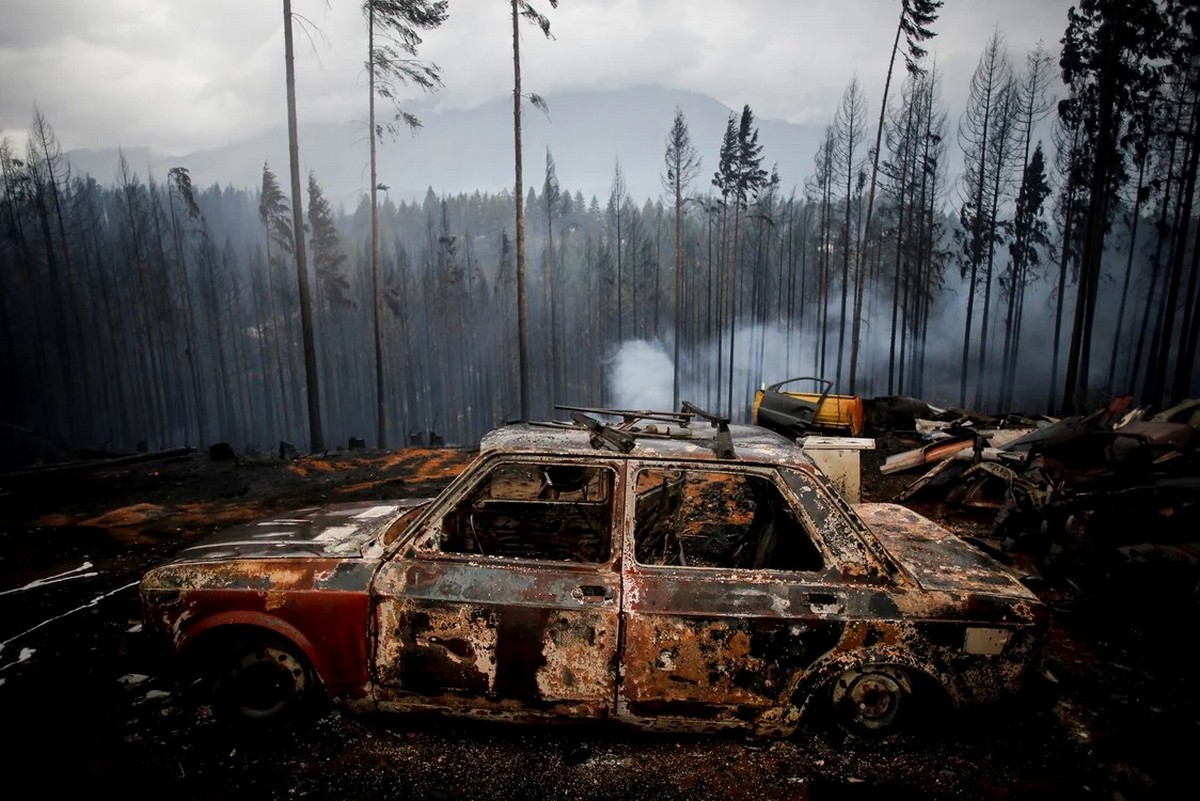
[872, 699]
[263, 682]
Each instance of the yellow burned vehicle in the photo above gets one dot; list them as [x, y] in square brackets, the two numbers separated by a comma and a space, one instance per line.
[795, 414]
[667, 570]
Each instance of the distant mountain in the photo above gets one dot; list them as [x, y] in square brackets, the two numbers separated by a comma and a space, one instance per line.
[464, 150]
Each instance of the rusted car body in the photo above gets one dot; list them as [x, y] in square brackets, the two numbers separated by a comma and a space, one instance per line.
[655, 583]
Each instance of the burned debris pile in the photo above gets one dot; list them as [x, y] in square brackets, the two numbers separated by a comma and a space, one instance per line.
[1086, 499]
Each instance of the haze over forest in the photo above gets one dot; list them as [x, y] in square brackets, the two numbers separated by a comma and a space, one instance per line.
[464, 150]
[1032, 251]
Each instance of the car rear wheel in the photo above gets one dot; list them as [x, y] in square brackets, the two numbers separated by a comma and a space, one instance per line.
[263, 682]
[872, 699]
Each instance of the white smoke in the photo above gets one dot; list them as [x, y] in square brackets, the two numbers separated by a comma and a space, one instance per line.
[641, 376]
[641, 372]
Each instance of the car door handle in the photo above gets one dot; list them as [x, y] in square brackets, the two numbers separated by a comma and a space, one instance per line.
[592, 593]
[824, 603]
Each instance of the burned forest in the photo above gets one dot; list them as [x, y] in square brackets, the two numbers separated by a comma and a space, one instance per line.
[935, 389]
[1055, 266]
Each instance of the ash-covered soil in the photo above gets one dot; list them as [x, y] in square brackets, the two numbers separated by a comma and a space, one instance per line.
[88, 706]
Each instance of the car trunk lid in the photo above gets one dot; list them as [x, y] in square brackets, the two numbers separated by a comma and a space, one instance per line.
[936, 558]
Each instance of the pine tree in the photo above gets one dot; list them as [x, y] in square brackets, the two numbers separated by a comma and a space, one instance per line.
[985, 135]
[848, 132]
[682, 163]
[326, 247]
[1030, 239]
[916, 20]
[1110, 61]
[740, 177]
[393, 28]
[552, 200]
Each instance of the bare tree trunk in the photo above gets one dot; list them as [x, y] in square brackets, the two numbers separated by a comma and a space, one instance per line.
[519, 200]
[381, 435]
[1000, 154]
[1059, 302]
[315, 437]
[1186, 353]
[678, 187]
[1189, 334]
[551, 290]
[896, 278]
[189, 321]
[733, 299]
[866, 232]
[1137, 208]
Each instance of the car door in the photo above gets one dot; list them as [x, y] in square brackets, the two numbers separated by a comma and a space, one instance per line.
[726, 598]
[508, 597]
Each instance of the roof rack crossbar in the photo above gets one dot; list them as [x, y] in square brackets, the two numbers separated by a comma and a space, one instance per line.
[601, 434]
[723, 444]
[623, 436]
[692, 409]
[629, 417]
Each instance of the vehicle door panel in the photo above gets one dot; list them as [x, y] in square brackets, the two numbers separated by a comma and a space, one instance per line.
[720, 643]
[508, 635]
[719, 646]
[537, 635]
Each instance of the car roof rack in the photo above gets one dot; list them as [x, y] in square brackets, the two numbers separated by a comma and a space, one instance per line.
[623, 436]
[723, 444]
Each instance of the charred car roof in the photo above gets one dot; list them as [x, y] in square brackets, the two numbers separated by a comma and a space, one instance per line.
[656, 440]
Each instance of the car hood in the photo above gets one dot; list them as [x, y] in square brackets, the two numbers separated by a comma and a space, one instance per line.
[338, 530]
[937, 559]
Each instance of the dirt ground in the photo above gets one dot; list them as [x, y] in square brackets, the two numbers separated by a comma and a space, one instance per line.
[87, 705]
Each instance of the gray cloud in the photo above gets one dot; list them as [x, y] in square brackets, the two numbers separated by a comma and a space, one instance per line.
[180, 76]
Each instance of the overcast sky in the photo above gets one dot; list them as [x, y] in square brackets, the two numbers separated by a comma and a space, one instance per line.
[186, 75]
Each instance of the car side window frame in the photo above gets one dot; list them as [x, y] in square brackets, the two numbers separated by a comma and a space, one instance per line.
[842, 533]
[426, 541]
[769, 473]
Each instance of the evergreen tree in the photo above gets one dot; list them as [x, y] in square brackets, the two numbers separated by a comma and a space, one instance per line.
[552, 200]
[682, 163]
[1030, 238]
[393, 28]
[326, 247]
[746, 178]
[985, 134]
[1111, 61]
[916, 20]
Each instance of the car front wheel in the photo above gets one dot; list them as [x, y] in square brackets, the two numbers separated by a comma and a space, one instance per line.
[263, 682]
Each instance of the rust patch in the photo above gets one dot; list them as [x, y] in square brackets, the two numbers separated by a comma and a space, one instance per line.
[428, 650]
[568, 670]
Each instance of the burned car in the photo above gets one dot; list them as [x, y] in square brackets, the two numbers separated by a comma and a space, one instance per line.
[668, 570]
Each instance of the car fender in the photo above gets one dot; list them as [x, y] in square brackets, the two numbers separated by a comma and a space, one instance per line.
[198, 632]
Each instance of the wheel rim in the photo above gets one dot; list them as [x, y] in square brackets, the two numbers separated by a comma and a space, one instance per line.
[870, 698]
[267, 682]
[876, 699]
